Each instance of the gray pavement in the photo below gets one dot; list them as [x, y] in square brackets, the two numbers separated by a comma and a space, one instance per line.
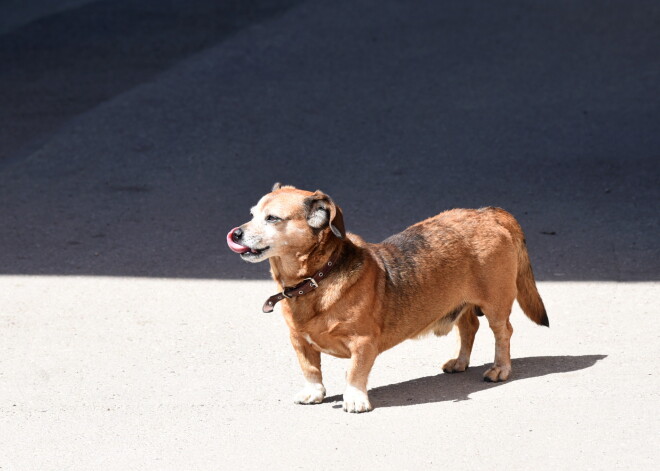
[135, 134]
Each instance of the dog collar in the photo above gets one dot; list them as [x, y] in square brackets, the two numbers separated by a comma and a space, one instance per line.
[304, 287]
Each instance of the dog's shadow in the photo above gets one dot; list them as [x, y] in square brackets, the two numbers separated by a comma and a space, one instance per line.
[459, 386]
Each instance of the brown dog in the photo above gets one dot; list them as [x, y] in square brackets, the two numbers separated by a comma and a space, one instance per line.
[353, 299]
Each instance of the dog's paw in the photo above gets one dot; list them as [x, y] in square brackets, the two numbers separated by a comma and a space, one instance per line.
[312, 393]
[356, 401]
[496, 374]
[455, 365]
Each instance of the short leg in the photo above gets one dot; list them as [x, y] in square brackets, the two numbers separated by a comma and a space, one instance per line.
[467, 325]
[310, 362]
[363, 355]
[502, 330]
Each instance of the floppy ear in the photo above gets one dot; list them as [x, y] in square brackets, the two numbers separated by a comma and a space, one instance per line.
[321, 211]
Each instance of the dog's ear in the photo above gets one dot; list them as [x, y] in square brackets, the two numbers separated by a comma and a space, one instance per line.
[279, 186]
[321, 211]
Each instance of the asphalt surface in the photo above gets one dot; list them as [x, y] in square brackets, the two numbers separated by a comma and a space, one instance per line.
[134, 135]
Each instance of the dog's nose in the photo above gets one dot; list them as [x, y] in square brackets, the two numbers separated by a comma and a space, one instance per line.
[234, 241]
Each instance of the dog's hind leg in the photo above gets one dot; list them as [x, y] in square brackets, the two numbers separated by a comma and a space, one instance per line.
[467, 325]
[498, 319]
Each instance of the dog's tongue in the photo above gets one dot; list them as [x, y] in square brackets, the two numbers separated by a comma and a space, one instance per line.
[235, 247]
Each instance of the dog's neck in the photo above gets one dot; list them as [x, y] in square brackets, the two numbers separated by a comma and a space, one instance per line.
[291, 270]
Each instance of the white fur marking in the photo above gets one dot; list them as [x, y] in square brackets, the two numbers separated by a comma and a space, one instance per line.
[356, 400]
[311, 393]
[319, 216]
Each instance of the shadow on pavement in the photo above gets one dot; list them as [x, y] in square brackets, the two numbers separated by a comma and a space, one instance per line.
[398, 110]
[64, 64]
[458, 387]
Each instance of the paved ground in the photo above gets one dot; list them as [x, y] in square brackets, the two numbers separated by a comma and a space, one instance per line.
[135, 134]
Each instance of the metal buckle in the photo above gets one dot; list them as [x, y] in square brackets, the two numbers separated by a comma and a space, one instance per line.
[285, 295]
[312, 282]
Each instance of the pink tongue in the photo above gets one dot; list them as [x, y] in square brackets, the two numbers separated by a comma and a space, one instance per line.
[235, 247]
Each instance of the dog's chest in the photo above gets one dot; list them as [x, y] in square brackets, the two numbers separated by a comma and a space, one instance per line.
[322, 346]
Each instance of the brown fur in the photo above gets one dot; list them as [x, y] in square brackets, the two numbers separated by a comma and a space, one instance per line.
[438, 273]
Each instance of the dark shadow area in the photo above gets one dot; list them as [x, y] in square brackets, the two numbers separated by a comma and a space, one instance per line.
[459, 386]
[398, 110]
[60, 66]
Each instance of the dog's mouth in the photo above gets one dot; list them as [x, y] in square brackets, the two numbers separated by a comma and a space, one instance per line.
[243, 250]
[253, 253]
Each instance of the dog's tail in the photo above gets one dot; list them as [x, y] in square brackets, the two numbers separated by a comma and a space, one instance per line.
[528, 296]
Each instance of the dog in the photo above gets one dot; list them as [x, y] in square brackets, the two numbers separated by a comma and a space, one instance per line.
[351, 299]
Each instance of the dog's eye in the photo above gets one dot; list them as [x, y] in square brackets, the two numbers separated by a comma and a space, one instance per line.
[271, 218]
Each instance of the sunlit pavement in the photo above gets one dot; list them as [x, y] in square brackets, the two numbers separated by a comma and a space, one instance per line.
[120, 373]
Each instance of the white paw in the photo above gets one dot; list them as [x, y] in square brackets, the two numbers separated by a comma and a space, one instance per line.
[356, 401]
[312, 393]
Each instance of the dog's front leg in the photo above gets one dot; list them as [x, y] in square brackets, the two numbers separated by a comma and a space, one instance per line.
[310, 362]
[363, 355]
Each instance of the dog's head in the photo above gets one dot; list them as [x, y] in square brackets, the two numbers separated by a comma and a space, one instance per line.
[286, 221]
